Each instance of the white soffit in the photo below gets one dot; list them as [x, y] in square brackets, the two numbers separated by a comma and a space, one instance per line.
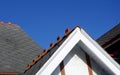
[88, 44]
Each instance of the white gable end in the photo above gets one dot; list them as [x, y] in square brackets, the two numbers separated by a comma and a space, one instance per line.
[76, 63]
[80, 38]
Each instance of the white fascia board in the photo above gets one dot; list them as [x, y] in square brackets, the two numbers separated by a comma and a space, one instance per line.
[78, 36]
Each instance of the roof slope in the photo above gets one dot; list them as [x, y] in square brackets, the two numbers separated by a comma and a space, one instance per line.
[42, 58]
[16, 48]
[77, 37]
[110, 36]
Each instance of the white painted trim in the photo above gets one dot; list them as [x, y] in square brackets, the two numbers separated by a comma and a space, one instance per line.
[91, 47]
[97, 53]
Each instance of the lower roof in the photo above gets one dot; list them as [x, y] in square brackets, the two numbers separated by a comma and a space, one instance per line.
[110, 37]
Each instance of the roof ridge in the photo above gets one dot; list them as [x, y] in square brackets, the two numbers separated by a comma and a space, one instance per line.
[7, 24]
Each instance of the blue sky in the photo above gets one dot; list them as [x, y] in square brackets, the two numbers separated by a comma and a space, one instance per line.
[44, 20]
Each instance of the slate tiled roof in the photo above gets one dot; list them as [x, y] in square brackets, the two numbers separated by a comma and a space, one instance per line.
[16, 48]
[40, 60]
[109, 37]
